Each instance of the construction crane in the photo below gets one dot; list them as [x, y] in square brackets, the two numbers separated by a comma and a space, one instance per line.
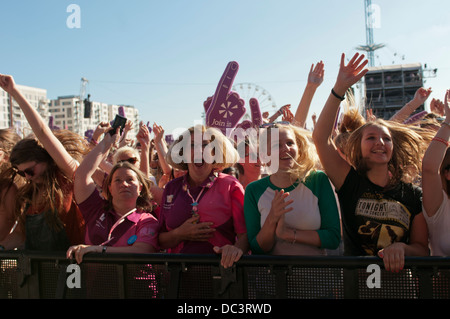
[372, 16]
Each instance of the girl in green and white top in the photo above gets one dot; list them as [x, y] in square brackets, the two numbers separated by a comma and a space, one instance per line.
[292, 211]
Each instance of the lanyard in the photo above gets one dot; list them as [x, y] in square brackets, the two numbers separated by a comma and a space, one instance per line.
[120, 220]
[195, 201]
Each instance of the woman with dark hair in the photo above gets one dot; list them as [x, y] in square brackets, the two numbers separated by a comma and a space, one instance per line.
[122, 222]
[47, 217]
[8, 182]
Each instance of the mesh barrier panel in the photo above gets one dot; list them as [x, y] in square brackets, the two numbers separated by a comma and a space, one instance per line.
[47, 279]
[261, 283]
[441, 284]
[147, 281]
[402, 285]
[196, 283]
[315, 283]
[8, 279]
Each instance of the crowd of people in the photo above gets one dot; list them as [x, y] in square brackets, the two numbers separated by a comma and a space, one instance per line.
[374, 187]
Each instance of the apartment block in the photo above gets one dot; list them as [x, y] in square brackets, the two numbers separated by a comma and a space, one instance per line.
[11, 115]
[69, 112]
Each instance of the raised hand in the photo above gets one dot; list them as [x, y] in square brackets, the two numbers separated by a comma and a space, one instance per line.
[446, 105]
[422, 95]
[143, 135]
[7, 83]
[316, 74]
[437, 107]
[226, 108]
[351, 73]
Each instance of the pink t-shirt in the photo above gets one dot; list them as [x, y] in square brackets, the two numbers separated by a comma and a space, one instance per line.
[221, 202]
[139, 226]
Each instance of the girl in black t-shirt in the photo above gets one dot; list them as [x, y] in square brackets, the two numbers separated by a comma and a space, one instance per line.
[383, 157]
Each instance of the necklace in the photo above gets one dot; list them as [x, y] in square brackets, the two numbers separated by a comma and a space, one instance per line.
[195, 202]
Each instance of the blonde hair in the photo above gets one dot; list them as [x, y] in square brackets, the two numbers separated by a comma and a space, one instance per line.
[351, 120]
[125, 149]
[409, 145]
[307, 160]
[229, 155]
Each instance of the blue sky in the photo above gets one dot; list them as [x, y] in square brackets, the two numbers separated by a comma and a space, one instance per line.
[166, 57]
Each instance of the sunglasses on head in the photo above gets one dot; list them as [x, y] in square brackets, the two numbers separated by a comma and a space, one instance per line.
[131, 160]
[274, 124]
[28, 171]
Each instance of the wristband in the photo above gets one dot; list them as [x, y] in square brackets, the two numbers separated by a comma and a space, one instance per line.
[445, 123]
[438, 139]
[342, 98]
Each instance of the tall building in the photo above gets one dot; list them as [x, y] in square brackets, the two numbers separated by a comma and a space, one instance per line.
[69, 113]
[11, 115]
[389, 88]
[65, 112]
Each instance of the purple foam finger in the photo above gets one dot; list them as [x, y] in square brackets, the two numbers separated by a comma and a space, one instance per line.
[207, 103]
[226, 81]
[255, 112]
[226, 108]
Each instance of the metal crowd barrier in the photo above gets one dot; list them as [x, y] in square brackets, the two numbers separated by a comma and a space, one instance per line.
[39, 275]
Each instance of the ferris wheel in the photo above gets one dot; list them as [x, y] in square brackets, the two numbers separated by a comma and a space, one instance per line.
[250, 90]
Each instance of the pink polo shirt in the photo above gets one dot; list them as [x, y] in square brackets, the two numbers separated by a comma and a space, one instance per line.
[139, 226]
[221, 202]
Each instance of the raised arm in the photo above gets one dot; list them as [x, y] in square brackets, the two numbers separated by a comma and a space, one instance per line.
[143, 137]
[420, 97]
[84, 184]
[49, 141]
[315, 79]
[431, 164]
[161, 148]
[335, 166]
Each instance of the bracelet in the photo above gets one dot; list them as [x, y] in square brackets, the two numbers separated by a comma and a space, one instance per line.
[445, 123]
[295, 236]
[94, 142]
[342, 98]
[438, 139]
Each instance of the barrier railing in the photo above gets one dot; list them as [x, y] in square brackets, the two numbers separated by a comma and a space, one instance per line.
[33, 275]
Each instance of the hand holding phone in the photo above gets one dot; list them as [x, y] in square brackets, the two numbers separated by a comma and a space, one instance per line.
[119, 121]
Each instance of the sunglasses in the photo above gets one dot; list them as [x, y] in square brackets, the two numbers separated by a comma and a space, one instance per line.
[131, 160]
[274, 124]
[28, 171]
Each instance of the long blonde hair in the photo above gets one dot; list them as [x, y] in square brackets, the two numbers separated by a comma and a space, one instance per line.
[307, 160]
[409, 146]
